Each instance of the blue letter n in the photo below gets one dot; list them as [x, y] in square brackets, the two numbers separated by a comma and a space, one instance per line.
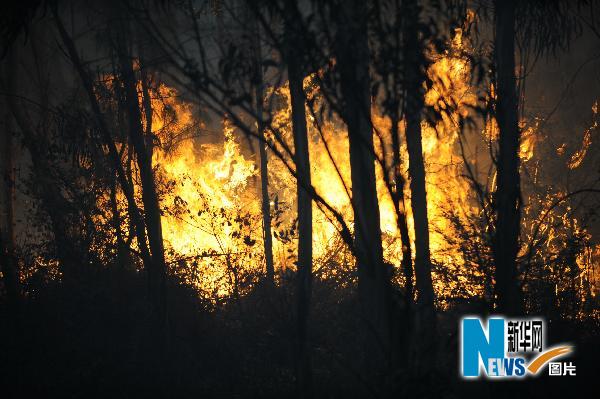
[475, 343]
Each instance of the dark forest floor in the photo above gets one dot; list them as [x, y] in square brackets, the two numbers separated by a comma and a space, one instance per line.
[94, 338]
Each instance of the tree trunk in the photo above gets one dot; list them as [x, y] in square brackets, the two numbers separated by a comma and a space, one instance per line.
[508, 192]
[424, 327]
[147, 105]
[123, 176]
[45, 188]
[302, 161]
[152, 214]
[400, 207]
[7, 231]
[373, 277]
[262, 153]
[122, 248]
[416, 165]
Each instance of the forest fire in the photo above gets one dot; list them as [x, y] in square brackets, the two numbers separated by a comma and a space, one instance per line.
[208, 184]
[258, 199]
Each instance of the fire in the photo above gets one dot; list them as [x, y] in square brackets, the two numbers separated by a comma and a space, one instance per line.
[209, 183]
[210, 195]
[578, 157]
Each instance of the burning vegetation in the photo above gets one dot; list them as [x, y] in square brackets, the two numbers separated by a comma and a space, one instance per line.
[269, 198]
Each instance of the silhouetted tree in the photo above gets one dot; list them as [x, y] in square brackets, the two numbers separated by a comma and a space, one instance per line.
[262, 153]
[152, 213]
[538, 27]
[296, 72]
[352, 51]
[152, 255]
[10, 272]
[508, 196]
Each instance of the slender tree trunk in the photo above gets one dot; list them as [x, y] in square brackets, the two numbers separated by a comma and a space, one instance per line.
[152, 215]
[400, 207]
[262, 153]
[45, 188]
[124, 177]
[12, 356]
[402, 324]
[265, 203]
[416, 166]
[147, 104]
[373, 276]
[302, 161]
[508, 191]
[7, 224]
[424, 326]
[122, 250]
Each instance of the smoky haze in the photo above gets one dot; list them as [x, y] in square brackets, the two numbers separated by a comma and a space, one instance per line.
[293, 198]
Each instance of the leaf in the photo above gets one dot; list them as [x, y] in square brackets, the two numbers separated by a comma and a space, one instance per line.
[249, 241]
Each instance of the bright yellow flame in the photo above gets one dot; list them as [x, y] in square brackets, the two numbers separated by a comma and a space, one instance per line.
[211, 200]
